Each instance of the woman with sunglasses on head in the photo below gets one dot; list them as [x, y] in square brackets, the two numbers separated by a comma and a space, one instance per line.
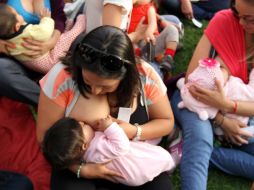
[231, 34]
[98, 77]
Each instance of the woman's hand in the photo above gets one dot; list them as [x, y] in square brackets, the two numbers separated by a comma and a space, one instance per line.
[233, 132]
[36, 48]
[3, 46]
[186, 8]
[215, 98]
[92, 171]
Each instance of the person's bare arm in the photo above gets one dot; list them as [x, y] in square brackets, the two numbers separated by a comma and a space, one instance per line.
[48, 113]
[4, 45]
[39, 48]
[161, 119]
[152, 25]
[201, 51]
[160, 124]
[112, 15]
[186, 8]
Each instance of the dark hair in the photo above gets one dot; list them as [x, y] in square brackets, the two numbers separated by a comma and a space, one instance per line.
[62, 143]
[232, 5]
[112, 41]
[7, 21]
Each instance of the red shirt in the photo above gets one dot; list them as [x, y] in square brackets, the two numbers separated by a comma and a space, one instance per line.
[137, 13]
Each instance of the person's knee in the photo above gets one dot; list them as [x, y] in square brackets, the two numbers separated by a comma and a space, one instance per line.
[172, 33]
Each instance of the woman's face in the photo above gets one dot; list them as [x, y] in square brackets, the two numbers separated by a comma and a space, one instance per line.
[99, 85]
[246, 15]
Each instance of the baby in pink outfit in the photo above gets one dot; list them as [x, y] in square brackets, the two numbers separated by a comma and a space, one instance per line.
[204, 75]
[138, 162]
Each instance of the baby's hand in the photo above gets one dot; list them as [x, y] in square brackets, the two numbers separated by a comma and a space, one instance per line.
[103, 124]
[45, 13]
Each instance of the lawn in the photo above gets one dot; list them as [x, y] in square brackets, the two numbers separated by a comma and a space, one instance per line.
[217, 180]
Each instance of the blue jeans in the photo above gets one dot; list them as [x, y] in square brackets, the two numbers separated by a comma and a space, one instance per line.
[198, 149]
[238, 161]
[201, 9]
[197, 146]
[13, 181]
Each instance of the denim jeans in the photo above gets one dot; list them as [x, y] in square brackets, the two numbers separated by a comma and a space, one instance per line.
[14, 181]
[238, 161]
[198, 149]
[197, 146]
[201, 9]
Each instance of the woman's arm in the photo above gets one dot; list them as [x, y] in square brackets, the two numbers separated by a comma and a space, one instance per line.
[38, 48]
[201, 51]
[160, 124]
[96, 171]
[161, 120]
[48, 113]
[186, 8]
[112, 15]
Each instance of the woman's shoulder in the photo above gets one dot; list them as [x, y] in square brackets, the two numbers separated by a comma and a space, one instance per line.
[223, 16]
[56, 76]
[145, 69]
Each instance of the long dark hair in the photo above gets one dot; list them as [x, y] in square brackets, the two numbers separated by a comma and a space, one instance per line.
[109, 40]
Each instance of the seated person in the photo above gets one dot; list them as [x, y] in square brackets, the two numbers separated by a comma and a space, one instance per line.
[205, 75]
[107, 143]
[101, 72]
[15, 30]
[165, 42]
[194, 8]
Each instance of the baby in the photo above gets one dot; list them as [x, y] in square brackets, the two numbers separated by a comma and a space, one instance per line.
[204, 75]
[14, 29]
[68, 142]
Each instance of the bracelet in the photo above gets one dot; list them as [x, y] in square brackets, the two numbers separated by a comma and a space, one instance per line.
[235, 106]
[138, 133]
[79, 169]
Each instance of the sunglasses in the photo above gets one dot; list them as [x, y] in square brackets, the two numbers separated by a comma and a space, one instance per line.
[246, 19]
[112, 63]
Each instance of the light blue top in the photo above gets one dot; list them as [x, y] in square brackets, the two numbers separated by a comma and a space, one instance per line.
[28, 17]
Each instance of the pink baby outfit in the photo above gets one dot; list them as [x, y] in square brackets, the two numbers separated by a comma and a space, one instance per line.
[235, 89]
[138, 162]
[204, 75]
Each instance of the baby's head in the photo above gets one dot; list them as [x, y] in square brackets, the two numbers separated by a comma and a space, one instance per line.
[64, 143]
[10, 21]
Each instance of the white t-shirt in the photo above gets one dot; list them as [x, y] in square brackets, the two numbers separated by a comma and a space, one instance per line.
[93, 10]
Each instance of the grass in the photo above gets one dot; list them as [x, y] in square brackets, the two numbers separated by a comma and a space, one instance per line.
[217, 180]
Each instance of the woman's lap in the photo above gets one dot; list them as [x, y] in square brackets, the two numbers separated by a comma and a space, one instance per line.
[15, 83]
[66, 180]
[237, 161]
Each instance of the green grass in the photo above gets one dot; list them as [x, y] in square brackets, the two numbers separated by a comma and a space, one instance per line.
[217, 180]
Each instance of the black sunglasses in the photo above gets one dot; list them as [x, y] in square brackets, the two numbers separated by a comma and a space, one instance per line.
[112, 63]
